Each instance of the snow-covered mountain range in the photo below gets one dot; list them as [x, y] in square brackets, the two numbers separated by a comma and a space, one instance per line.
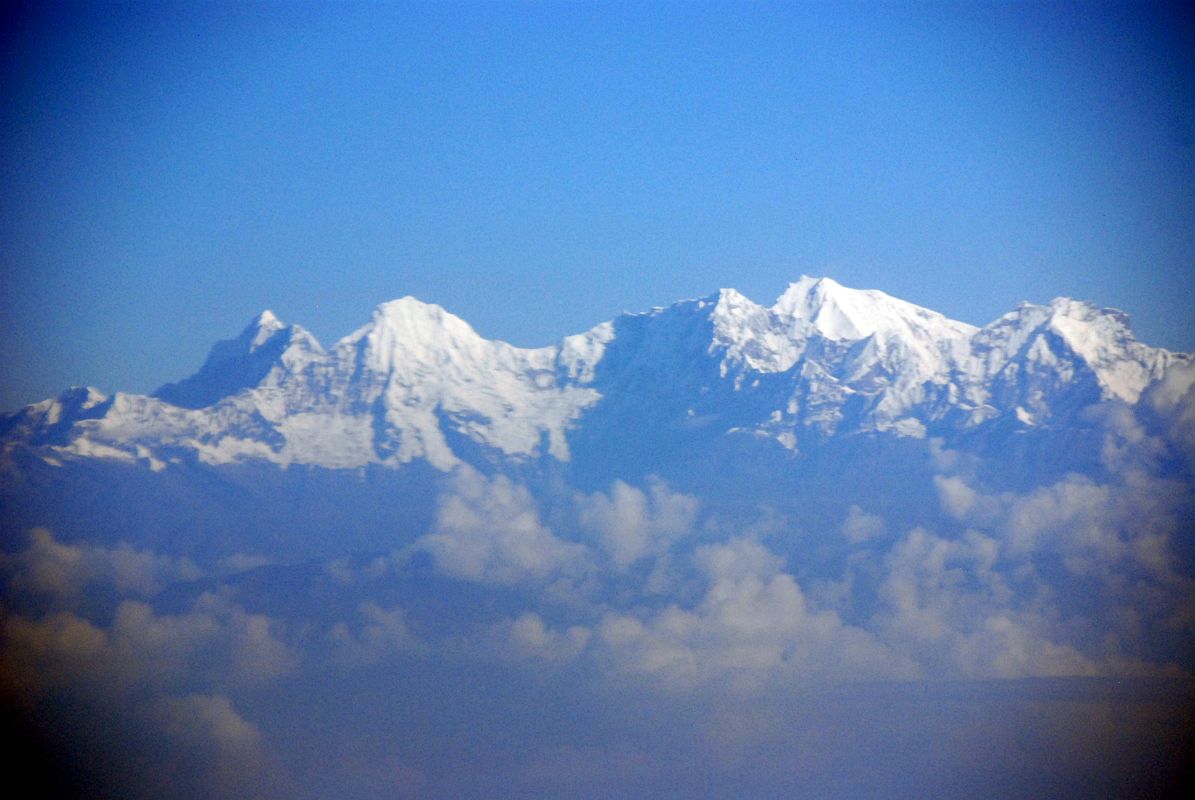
[417, 383]
[710, 504]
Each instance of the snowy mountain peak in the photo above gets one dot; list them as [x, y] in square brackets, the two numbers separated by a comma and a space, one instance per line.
[1055, 338]
[407, 332]
[752, 335]
[243, 362]
[261, 329]
[411, 309]
[1102, 337]
[267, 319]
[1111, 321]
[836, 312]
[730, 297]
[408, 320]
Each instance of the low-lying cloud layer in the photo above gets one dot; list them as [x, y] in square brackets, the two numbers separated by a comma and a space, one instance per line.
[657, 638]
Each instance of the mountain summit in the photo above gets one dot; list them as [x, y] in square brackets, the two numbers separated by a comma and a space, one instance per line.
[234, 365]
[836, 312]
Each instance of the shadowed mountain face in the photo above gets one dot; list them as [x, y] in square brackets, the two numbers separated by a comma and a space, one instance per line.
[838, 546]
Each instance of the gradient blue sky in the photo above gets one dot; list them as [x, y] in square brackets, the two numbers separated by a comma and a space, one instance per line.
[169, 170]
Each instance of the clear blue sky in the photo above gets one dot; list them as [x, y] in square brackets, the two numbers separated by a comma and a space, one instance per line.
[170, 170]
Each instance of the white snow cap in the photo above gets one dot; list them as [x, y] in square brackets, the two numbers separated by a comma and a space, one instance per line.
[837, 312]
[268, 319]
[267, 324]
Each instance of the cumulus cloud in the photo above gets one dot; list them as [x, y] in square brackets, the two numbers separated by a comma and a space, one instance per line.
[752, 622]
[345, 571]
[1078, 576]
[61, 572]
[528, 638]
[382, 633]
[1131, 522]
[631, 523]
[141, 648]
[1173, 399]
[227, 749]
[1071, 515]
[958, 499]
[130, 670]
[859, 526]
[1126, 442]
[1064, 579]
[944, 603]
[241, 562]
[1085, 574]
[488, 530]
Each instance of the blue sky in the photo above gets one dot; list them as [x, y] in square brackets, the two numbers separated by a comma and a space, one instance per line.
[170, 170]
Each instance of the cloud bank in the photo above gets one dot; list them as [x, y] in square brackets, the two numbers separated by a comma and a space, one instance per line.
[639, 639]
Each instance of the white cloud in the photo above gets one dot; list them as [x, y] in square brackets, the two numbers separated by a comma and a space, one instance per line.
[241, 562]
[752, 623]
[1173, 398]
[346, 572]
[1096, 528]
[944, 604]
[1077, 577]
[143, 648]
[529, 638]
[382, 634]
[133, 675]
[859, 526]
[210, 731]
[62, 572]
[957, 498]
[135, 670]
[631, 524]
[489, 531]
[59, 645]
[1072, 515]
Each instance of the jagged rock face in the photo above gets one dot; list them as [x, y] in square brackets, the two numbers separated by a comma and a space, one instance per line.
[417, 383]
